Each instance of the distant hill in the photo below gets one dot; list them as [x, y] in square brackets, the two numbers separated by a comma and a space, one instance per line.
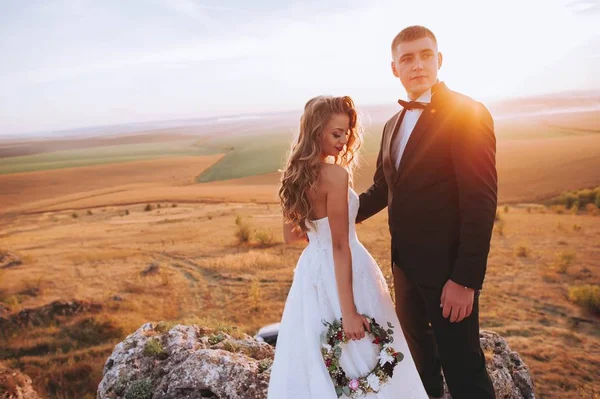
[589, 99]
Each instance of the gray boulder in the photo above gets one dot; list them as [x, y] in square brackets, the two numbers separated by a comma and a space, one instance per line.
[192, 362]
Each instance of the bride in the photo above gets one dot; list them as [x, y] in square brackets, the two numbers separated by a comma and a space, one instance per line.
[335, 278]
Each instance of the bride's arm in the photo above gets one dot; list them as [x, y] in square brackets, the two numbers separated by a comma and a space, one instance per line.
[337, 213]
[291, 236]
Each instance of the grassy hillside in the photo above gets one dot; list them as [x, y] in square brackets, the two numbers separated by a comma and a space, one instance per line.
[262, 154]
[247, 156]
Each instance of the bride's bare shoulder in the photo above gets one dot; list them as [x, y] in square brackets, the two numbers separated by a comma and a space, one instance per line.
[334, 176]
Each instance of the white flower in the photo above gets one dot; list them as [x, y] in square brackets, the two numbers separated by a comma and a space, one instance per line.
[389, 346]
[373, 382]
[385, 357]
[327, 347]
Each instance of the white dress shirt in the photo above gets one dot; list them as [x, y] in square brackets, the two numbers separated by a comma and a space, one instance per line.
[406, 127]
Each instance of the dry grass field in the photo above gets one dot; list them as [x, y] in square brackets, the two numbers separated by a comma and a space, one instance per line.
[528, 170]
[39, 146]
[55, 188]
[183, 261]
[124, 243]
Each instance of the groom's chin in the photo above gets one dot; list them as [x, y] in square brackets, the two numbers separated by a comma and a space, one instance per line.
[421, 85]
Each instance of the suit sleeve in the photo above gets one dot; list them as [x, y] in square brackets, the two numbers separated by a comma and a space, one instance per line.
[474, 161]
[375, 198]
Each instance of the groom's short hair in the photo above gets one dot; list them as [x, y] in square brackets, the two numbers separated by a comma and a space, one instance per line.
[411, 33]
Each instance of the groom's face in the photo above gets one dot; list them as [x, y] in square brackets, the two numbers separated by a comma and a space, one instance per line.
[416, 63]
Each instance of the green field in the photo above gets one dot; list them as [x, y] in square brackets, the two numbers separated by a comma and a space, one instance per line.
[102, 155]
[263, 154]
[248, 157]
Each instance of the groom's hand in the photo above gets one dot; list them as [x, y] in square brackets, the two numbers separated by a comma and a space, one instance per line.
[456, 301]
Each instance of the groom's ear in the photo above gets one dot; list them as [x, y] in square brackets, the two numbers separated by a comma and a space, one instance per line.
[440, 59]
[394, 71]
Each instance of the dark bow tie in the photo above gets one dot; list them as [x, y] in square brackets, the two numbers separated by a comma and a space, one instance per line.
[408, 105]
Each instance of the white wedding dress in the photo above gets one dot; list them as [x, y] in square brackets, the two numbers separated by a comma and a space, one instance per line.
[298, 370]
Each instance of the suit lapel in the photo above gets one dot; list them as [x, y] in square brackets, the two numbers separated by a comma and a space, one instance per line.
[421, 128]
[392, 135]
[389, 139]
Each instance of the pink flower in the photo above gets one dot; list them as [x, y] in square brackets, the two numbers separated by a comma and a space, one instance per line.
[354, 384]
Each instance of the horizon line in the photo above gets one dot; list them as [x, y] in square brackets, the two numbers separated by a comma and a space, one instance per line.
[49, 132]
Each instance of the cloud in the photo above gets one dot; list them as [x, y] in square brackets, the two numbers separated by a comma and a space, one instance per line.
[195, 11]
[178, 56]
[79, 51]
[585, 7]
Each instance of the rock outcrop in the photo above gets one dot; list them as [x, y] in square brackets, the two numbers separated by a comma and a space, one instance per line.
[193, 362]
[189, 362]
[508, 372]
[15, 385]
[8, 259]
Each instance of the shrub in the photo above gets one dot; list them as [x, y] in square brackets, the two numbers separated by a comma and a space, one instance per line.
[499, 228]
[140, 389]
[231, 346]
[563, 261]
[575, 208]
[522, 251]
[586, 196]
[154, 348]
[577, 197]
[244, 231]
[587, 296]
[264, 237]
[216, 338]
[164, 326]
[264, 365]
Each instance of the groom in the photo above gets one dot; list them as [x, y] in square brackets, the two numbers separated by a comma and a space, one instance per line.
[436, 173]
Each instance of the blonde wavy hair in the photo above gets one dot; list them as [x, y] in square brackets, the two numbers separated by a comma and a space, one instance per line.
[301, 173]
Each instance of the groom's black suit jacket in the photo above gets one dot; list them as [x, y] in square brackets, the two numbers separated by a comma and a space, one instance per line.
[442, 199]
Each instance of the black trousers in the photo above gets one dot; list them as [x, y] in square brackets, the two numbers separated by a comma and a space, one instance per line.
[435, 343]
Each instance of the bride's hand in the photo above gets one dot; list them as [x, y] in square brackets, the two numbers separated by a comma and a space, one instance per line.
[354, 326]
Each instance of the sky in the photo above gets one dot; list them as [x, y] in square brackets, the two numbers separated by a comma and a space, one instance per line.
[76, 63]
